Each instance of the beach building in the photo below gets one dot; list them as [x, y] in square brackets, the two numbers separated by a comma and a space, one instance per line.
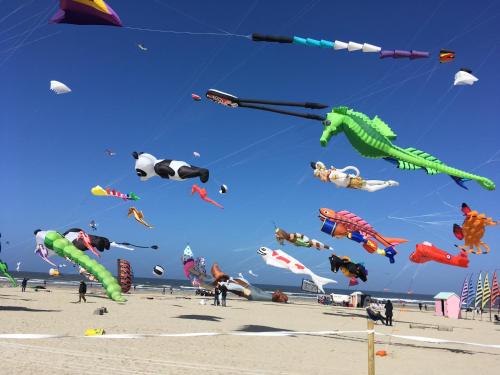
[447, 304]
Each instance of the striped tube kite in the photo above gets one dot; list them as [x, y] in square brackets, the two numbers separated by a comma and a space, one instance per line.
[86, 12]
[125, 275]
[64, 248]
[100, 192]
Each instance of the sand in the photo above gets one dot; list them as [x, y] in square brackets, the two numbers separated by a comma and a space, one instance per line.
[305, 353]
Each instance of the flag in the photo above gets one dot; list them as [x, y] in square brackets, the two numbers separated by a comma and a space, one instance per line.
[464, 296]
[471, 297]
[495, 290]
[486, 291]
[479, 292]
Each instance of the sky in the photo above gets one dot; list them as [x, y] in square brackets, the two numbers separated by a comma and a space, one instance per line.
[128, 100]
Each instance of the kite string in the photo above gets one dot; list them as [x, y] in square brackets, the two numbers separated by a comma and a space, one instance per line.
[187, 32]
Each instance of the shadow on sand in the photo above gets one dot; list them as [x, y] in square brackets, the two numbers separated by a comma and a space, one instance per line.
[27, 309]
[209, 318]
[257, 328]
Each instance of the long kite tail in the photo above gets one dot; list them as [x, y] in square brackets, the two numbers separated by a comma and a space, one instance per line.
[66, 249]
[8, 276]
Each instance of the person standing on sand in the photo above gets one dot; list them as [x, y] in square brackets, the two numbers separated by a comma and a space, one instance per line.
[216, 296]
[420, 306]
[388, 313]
[82, 290]
[23, 284]
[223, 292]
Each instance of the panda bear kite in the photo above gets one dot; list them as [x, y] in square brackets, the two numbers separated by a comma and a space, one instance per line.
[147, 166]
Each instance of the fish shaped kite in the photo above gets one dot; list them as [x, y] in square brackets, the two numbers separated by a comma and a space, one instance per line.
[472, 230]
[203, 195]
[427, 252]
[344, 224]
[342, 179]
[86, 12]
[372, 138]
[138, 216]
[99, 191]
[338, 45]
[299, 239]
[280, 259]
[4, 270]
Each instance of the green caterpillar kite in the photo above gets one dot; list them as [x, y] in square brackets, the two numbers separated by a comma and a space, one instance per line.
[64, 248]
[372, 138]
[4, 270]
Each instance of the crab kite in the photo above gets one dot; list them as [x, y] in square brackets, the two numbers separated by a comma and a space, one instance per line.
[372, 138]
[86, 12]
[472, 230]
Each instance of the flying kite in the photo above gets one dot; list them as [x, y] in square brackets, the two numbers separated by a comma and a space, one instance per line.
[195, 97]
[472, 230]
[99, 191]
[125, 274]
[223, 189]
[426, 252]
[196, 154]
[54, 272]
[298, 239]
[98, 242]
[55, 242]
[372, 138]
[142, 47]
[446, 56]
[280, 259]
[344, 224]
[86, 12]
[348, 268]
[203, 195]
[93, 225]
[18, 266]
[338, 45]
[147, 166]
[253, 274]
[464, 77]
[59, 87]
[4, 270]
[158, 270]
[342, 179]
[109, 152]
[138, 216]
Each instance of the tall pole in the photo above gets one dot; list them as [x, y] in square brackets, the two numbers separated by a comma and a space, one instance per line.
[371, 348]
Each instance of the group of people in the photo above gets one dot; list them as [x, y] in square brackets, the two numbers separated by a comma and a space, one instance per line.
[220, 295]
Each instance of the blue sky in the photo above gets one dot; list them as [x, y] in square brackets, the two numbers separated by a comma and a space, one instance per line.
[129, 100]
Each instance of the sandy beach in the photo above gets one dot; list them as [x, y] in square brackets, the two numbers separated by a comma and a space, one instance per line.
[243, 338]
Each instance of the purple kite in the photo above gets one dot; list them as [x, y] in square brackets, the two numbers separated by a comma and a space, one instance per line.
[400, 54]
[86, 12]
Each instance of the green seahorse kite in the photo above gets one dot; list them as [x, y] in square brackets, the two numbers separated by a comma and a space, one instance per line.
[4, 270]
[372, 138]
[64, 248]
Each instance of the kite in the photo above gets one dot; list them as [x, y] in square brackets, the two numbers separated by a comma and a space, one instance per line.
[55, 242]
[99, 191]
[464, 77]
[158, 270]
[338, 45]
[120, 245]
[142, 47]
[203, 195]
[147, 166]
[298, 239]
[342, 179]
[98, 242]
[194, 269]
[348, 268]
[138, 215]
[427, 252]
[253, 274]
[223, 189]
[125, 274]
[446, 56]
[195, 97]
[59, 87]
[472, 230]
[4, 270]
[54, 272]
[109, 152]
[196, 154]
[93, 225]
[86, 12]
[280, 259]
[372, 138]
[344, 224]
[18, 266]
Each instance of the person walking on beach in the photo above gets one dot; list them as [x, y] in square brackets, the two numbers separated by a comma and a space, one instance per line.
[420, 306]
[23, 284]
[216, 296]
[223, 292]
[388, 313]
[82, 290]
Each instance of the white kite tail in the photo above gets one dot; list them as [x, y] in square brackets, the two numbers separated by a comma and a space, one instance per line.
[320, 281]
